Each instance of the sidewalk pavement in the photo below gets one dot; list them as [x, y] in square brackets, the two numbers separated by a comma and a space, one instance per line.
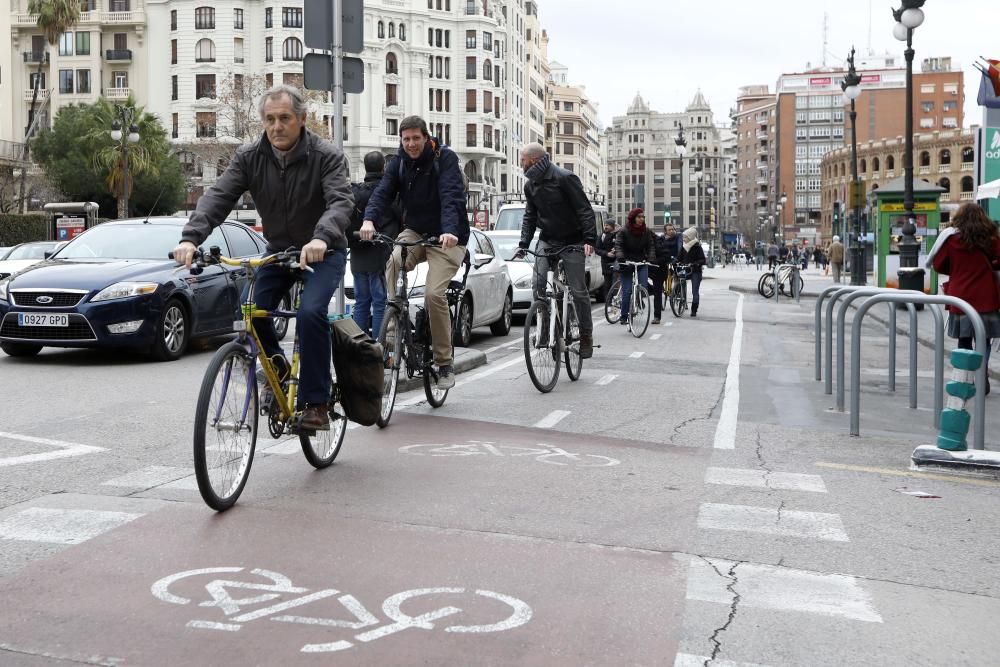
[816, 282]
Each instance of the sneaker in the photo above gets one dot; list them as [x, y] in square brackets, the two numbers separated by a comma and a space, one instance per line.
[316, 418]
[623, 321]
[586, 346]
[656, 320]
[446, 377]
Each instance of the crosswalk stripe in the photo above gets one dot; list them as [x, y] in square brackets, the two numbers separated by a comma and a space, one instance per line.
[551, 419]
[61, 526]
[781, 589]
[607, 379]
[767, 521]
[761, 479]
[636, 355]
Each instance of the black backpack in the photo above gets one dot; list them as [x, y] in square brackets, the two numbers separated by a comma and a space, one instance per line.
[362, 193]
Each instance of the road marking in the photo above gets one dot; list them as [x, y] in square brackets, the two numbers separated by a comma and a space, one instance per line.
[210, 625]
[61, 526]
[656, 337]
[780, 588]
[607, 379]
[767, 521]
[552, 419]
[636, 355]
[761, 479]
[519, 359]
[517, 343]
[688, 660]
[725, 432]
[149, 477]
[65, 450]
[910, 473]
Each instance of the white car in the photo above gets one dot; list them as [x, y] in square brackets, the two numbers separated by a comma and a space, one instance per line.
[26, 254]
[487, 300]
[521, 271]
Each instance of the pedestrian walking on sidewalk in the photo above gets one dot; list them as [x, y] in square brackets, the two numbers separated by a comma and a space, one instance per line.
[836, 258]
[772, 256]
[692, 253]
[969, 254]
[758, 255]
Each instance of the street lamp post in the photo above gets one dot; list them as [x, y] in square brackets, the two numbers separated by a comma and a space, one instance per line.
[778, 207]
[909, 17]
[712, 225]
[698, 176]
[851, 85]
[681, 146]
[124, 118]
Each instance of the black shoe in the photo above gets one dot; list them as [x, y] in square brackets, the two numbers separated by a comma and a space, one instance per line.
[694, 310]
[656, 320]
[586, 345]
[623, 321]
[446, 377]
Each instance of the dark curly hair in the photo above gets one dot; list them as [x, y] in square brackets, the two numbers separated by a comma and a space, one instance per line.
[975, 227]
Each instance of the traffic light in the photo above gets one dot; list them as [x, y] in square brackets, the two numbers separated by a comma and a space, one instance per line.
[711, 219]
[666, 217]
[836, 218]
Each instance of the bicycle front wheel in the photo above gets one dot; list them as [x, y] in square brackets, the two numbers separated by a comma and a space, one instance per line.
[613, 303]
[435, 395]
[391, 339]
[766, 285]
[639, 316]
[225, 428]
[571, 353]
[540, 354]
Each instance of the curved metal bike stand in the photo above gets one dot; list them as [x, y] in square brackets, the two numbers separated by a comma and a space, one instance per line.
[910, 298]
[848, 297]
[837, 291]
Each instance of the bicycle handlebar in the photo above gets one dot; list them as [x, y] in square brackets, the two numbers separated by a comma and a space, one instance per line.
[552, 252]
[388, 240]
[288, 259]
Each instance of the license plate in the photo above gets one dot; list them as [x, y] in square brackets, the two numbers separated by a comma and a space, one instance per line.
[43, 319]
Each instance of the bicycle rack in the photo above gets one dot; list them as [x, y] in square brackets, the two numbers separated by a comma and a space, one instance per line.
[912, 298]
[829, 327]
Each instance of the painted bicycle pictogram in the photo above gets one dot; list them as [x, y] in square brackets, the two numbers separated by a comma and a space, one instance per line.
[541, 452]
[256, 600]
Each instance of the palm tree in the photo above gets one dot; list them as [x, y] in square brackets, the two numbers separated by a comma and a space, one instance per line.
[54, 18]
[110, 157]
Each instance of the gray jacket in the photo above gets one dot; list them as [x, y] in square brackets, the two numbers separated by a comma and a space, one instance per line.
[310, 198]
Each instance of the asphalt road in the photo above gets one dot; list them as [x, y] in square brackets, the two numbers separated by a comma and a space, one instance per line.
[692, 500]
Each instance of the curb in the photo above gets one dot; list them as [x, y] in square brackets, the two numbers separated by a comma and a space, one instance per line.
[981, 463]
[466, 359]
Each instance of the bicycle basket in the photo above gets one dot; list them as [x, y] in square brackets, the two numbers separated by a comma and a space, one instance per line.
[683, 271]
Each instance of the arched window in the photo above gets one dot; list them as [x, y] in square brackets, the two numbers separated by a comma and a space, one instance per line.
[890, 162]
[967, 184]
[391, 65]
[204, 51]
[487, 70]
[946, 184]
[945, 156]
[392, 30]
[875, 165]
[402, 32]
[843, 169]
[968, 155]
[204, 18]
[292, 49]
[925, 159]
[864, 166]
[381, 30]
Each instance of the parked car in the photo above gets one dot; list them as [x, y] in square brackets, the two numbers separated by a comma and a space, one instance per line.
[521, 271]
[487, 300]
[113, 287]
[509, 219]
[24, 255]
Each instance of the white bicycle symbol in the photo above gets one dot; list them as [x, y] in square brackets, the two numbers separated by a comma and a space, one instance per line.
[542, 453]
[221, 592]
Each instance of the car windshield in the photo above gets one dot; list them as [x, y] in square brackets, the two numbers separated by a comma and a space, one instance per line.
[506, 246]
[509, 219]
[31, 251]
[138, 241]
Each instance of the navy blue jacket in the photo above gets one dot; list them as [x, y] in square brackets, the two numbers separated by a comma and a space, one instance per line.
[432, 195]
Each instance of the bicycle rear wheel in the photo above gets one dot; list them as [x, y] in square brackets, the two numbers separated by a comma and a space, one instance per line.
[613, 303]
[766, 286]
[321, 447]
[435, 395]
[542, 360]
[571, 351]
[225, 426]
[639, 316]
[392, 345]
[677, 300]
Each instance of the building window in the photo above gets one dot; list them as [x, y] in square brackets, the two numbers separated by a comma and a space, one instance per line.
[447, 68]
[173, 87]
[488, 136]
[292, 49]
[65, 81]
[174, 125]
[173, 52]
[470, 39]
[238, 19]
[204, 86]
[470, 100]
[927, 107]
[66, 44]
[567, 149]
[205, 121]
[391, 64]
[173, 19]
[471, 132]
[268, 50]
[119, 79]
[487, 101]
[204, 51]
[927, 88]
[949, 105]
[269, 80]
[945, 157]
[487, 41]
[268, 18]
[204, 18]
[390, 95]
[925, 159]
[438, 61]
[569, 127]
[392, 30]
[487, 70]
[238, 49]
[470, 67]
[120, 42]
[83, 44]
[292, 79]
[447, 100]
[447, 39]
[291, 17]
[83, 81]
[402, 32]
[567, 106]
[430, 37]
[391, 127]
[381, 30]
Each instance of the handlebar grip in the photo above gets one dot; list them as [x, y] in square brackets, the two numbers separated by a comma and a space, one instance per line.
[170, 255]
[433, 240]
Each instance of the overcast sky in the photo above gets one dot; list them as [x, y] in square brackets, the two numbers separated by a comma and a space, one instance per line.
[667, 49]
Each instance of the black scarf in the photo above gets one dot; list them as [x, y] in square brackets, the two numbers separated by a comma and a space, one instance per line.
[535, 171]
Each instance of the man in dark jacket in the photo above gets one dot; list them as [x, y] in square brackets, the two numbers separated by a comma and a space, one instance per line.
[667, 246]
[300, 185]
[368, 259]
[428, 180]
[606, 251]
[556, 205]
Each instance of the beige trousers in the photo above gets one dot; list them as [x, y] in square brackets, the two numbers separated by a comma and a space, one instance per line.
[441, 267]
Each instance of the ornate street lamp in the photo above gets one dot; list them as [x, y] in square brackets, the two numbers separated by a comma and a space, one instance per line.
[124, 117]
[851, 85]
[681, 147]
[909, 17]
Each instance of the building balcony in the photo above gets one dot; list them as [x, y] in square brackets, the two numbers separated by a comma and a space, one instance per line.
[761, 196]
[42, 93]
[118, 55]
[968, 166]
[763, 180]
[117, 93]
[966, 196]
[86, 18]
[924, 170]
[36, 57]
[762, 136]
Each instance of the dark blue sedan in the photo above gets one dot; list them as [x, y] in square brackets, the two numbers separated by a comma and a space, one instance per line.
[113, 287]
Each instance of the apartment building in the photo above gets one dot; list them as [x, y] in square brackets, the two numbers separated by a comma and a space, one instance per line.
[572, 131]
[754, 125]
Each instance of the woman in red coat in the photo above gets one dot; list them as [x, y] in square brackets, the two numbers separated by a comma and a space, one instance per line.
[969, 256]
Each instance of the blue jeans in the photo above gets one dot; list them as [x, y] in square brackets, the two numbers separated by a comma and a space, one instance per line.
[312, 324]
[627, 287]
[369, 300]
[695, 288]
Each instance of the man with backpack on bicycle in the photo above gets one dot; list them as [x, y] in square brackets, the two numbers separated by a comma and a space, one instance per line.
[368, 259]
[556, 205]
[301, 186]
[428, 180]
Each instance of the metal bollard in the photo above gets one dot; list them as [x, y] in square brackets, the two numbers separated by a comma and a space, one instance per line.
[829, 327]
[955, 419]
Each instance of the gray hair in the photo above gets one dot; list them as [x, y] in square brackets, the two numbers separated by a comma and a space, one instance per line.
[299, 107]
[533, 151]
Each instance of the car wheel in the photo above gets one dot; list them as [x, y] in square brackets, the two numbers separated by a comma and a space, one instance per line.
[462, 326]
[172, 332]
[502, 326]
[20, 349]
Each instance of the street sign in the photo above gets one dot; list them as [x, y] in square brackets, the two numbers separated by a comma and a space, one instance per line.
[856, 194]
[319, 24]
[318, 73]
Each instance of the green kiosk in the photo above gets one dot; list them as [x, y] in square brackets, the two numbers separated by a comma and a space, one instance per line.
[889, 215]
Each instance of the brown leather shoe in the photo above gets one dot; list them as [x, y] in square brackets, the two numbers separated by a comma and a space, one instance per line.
[586, 346]
[316, 418]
